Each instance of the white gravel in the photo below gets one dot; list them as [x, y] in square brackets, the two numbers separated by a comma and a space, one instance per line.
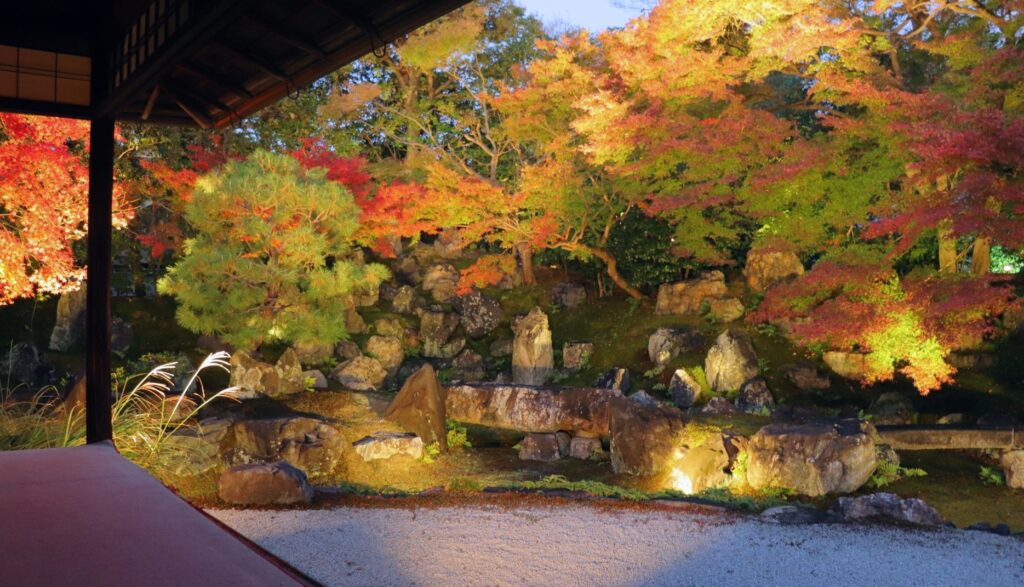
[536, 546]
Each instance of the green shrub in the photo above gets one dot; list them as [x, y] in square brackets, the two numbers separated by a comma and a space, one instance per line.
[991, 476]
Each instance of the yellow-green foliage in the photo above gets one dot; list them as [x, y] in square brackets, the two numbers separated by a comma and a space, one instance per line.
[272, 258]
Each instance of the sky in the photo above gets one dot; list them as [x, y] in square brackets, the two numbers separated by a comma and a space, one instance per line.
[593, 15]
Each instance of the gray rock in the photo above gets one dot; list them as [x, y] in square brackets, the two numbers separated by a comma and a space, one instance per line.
[616, 378]
[755, 397]
[768, 266]
[388, 350]
[718, 406]
[501, 347]
[404, 301]
[255, 378]
[437, 333]
[480, 314]
[576, 355]
[568, 295]
[731, 361]
[585, 448]
[23, 364]
[888, 506]
[1012, 462]
[469, 367]
[684, 389]
[440, 281]
[533, 359]
[540, 447]
[585, 411]
[950, 419]
[385, 445]
[891, 408]
[360, 374]
[264, 484]
[666, 344]
[812, 459]
[70, 326]
[122, 335]
[317, 377]
[347, 349]
[687, 297]
[643, 398]
[795, 515]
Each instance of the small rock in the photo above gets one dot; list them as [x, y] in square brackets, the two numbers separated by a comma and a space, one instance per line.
[892, 408]
[755, 397]
[888, 506]
[264, 484]
[437, 332]
[384, 445]
[254, 378]
[122, 335]
[850, 365]
[767, 266]
[789, 515]
[576, 355]
[360, 374]
[480, 314]
[585, 448]
[540, 446]
[950, 419]
[616, 378]
[404, 301]
[469, 367]
[683, 388]
[501, 347]
[313, 354]
[70, 326]
[568, 295]
[643, 398]
[731, 362]
[354, 323]
[388, 350]
[407, 270]
[564, 439]
[1012, 462]
[440, 281]
[665, 344]
[687, 297]
[725, 309]
[317, 377]
[718, 406]
[347, 349]
[23, 364]
[807, 376]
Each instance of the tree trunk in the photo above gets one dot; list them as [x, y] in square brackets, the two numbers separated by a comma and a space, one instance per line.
[981, 258]
[613, 271]
[947, 248]
[525, 252]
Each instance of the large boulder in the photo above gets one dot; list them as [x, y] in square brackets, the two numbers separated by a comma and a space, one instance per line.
[307, 443]
[437, 334]
[419, 407]
[480, 314]
[360, 374]
[533, 358]
[702, 464]
[70, 326]
[264, 484]
[768, 266]
[255, 378]
[887, 507]
[1012, 462]
[684, 388]
[812, 459]
[644, 439]
[529, 409]
[668, 343]
[731, 362]
[388, 350]
[568, 295]
[385, 445]
[687, 297]
[440, 281]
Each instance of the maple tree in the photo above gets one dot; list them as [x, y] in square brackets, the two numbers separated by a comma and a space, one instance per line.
[44, 192]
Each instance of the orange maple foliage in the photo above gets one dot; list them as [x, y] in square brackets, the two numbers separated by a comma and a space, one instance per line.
[44, 187]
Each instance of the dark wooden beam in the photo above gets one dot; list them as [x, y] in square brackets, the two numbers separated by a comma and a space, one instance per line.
[289, 37]
[22, 106]
[353, 17]
[206, 102]
[98, 426]
[147, 111]
[188, 106]
[209, 18]
[216, 79]
[247, 57]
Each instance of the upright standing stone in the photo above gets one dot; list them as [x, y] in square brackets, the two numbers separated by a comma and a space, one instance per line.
[70, 326]
[533, 358]
[731, 362]
[419, 407]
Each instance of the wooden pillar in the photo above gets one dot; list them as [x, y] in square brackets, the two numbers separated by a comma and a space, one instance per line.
[98, 426]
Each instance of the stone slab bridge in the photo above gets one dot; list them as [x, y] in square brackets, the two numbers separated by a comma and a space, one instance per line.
[951, 438]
